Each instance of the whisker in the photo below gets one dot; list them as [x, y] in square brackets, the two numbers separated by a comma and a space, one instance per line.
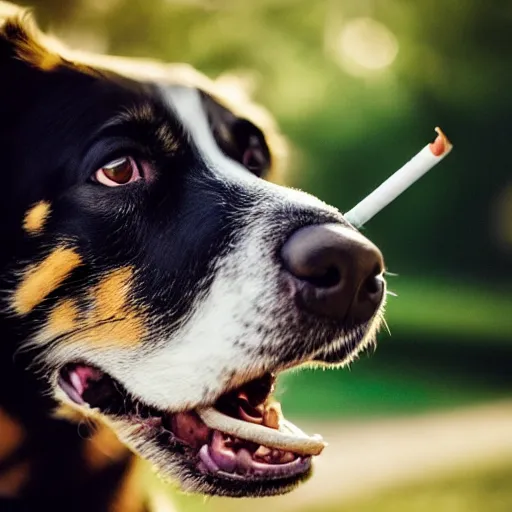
[393, 294]
[386, 325]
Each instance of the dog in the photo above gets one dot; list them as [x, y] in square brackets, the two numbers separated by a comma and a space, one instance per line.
[156, 279]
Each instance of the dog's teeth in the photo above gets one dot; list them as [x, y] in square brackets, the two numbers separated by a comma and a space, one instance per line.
[244, 459]
[262, 451]
[287, 457]
[272, 415]
[206, 459]
[76, 382]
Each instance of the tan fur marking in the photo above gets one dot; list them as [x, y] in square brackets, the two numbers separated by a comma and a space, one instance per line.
[44, 277]
[35, 218]
[122, 324]
[103, 449]
[64, 317]
[112, 292]
[11, 434]
[127, 331]
[113, 319]
[13, 480]
[70, 413]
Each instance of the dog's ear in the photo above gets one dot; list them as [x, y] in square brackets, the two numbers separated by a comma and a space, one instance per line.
[22, 41]
[239, 138]
[11, 17]
[9, 11]
[23, 46]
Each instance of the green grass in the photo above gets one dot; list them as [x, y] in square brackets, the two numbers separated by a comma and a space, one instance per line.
[486, 489]
[470, 312]
[370, 390]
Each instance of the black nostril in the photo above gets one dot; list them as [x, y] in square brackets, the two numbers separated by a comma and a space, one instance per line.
[338, 271]
[370, 285]
[331, 278]
[371, 290]
[373, 283]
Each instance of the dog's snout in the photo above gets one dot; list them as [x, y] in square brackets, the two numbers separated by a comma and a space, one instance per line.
[338, 271]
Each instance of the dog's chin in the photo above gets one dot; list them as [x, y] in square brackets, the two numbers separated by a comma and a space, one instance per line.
[239, 446]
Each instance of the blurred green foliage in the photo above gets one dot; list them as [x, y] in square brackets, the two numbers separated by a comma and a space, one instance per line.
[449, 237]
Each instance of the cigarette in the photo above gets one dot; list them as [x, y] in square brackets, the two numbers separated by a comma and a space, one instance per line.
[414, 169]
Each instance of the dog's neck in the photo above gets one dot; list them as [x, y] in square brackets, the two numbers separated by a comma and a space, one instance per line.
[54, 463]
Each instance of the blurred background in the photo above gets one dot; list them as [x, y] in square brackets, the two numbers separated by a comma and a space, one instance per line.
[357, 86]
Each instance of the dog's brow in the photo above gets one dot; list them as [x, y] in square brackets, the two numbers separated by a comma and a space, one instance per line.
[154, 120]
[36, 217]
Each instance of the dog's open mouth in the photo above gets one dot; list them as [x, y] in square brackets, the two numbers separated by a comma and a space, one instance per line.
[243, 436]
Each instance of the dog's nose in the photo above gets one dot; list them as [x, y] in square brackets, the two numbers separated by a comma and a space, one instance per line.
[338, 271]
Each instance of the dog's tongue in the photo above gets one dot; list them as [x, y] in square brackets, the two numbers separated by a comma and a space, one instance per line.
[282, 435]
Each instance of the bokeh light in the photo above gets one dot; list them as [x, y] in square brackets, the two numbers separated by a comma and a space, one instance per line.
[366, 45]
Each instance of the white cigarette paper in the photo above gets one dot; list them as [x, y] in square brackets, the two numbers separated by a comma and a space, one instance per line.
[414, 169]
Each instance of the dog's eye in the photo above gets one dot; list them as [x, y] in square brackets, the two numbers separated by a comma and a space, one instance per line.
[245, 143]
[254, 158]
[238, 138]
[118, 172]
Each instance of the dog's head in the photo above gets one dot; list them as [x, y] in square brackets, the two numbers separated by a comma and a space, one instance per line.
[156, 280]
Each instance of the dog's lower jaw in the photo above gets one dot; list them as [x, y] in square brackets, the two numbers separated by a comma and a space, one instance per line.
[185, 450]
[176, 467]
